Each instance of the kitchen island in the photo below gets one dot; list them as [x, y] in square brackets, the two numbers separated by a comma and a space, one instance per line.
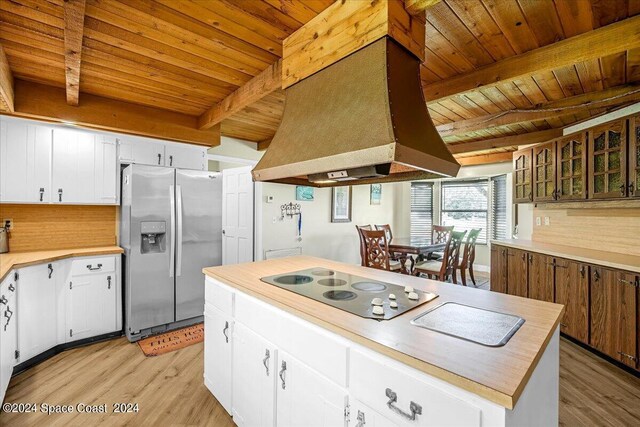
[273, 357]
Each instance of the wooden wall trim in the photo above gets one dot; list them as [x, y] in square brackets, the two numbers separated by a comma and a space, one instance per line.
[6, 83]
[42, 102]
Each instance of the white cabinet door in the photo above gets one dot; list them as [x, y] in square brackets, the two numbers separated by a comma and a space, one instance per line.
[305, 398]
[254, 377]
[144, 151]
[8, 333]
[217, 355]
[37, 308]
[73, 170]
[91, 306]
[25, 162]
[185, 156]
[106, 170]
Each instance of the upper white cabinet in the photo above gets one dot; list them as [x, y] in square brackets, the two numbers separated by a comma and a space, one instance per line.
[49, 164]
[25, 162]
[149, 151]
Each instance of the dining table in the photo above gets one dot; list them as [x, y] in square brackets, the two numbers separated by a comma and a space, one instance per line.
[402, 249]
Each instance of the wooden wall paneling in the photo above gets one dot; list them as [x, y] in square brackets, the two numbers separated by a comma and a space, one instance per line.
[73, 32]
[572, 290]
[518, 267]
[611, 229]
[49, 227]
[541, 277]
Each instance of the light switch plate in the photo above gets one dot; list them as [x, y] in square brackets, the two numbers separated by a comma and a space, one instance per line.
[538, 222]
[546, 220]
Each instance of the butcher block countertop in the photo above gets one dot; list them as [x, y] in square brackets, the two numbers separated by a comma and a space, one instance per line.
[590, 256]
[13, 260]
[498, 374]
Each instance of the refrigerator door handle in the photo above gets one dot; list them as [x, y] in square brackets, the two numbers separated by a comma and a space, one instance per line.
[179, 231]
[172, 255]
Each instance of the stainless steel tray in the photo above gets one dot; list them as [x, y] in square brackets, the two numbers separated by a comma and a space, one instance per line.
[469, 323]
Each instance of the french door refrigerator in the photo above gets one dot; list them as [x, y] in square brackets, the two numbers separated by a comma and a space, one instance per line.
[171, 228]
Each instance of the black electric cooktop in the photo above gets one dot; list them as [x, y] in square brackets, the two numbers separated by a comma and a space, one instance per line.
[349, 292]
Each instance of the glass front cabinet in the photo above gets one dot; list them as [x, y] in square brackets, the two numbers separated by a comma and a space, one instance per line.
[607, 161]
[544, 172]
[633, 187]
[571, 173]
[522, 192]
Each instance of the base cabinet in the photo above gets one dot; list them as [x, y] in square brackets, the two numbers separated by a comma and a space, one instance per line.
[37, 296]
[254, 379]
[499, 269]
[218, 347]
[572, 291]
[8, 331]
[613, 314]
[91, 306]
[305, 398]
[541, 277]
[518, 272]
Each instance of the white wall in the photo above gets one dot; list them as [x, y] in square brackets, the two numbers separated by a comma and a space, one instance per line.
[232, 147]
[320, 237]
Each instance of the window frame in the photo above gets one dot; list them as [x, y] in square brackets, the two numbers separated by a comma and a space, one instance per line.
[429, 230]
[487, 211]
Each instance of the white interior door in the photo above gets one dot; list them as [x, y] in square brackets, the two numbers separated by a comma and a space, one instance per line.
[237, 215]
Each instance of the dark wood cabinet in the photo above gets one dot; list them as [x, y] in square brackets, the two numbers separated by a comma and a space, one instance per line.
[522, 190]
[633, 186]
[541, 277]
[572, 290]
[614, 314]
[571, 167]
[518, 272]
[607, 163]
[544, 172]
[499, 269]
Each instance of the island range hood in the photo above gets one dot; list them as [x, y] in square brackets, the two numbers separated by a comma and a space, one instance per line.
[361, 120]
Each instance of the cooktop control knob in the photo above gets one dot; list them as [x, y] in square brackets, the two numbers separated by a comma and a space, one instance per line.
[392, 296]
[376, 301]
[393, 304]
[378, 310]
[408, 289]
[413, 296]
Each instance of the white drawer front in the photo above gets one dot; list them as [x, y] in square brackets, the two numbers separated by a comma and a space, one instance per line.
[93, 265]
[218, 295]
[370, 378]
[321, 350]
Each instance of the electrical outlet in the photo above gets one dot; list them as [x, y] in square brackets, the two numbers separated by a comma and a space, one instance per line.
[546, 220]
[8, 224]
[538, 222]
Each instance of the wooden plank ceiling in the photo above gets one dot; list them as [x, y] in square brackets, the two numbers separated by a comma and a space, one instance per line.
[187, 56]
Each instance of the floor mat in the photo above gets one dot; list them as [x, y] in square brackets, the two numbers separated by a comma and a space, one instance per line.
[171, 341]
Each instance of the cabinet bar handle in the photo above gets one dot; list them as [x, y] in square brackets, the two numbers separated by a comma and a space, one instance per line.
[283, 368]
[90, 267]
[413, 406]
[623, 187]
[11, 287]
[41, 193]
[224, 331]
[8, 314]
[596, 275]
[50, 270]
[159, 157]
[361, 421]
[3, 300]
[630, 187]
[582, 270]
[265, 361]
[59, 194]
[108, 282]
[170, 160]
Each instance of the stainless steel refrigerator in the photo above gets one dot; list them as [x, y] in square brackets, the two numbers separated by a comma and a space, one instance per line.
[171, 228]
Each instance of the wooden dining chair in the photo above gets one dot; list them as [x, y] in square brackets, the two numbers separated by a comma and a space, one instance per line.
[446, 267]
[439, 234]
[359, 228]
[377, 251]
[468, 256]
[387, 231]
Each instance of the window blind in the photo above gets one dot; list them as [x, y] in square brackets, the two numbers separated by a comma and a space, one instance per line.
[465, 205]
[499, 207]
[421, 209]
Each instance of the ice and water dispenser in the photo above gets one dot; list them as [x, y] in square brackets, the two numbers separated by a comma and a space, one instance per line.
[153, 235]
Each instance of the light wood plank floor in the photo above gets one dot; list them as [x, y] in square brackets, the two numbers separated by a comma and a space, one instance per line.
[169, 388]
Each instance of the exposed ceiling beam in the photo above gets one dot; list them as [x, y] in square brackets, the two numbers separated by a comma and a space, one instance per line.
[505, 141]
[263, 145]
[73, 32]
[611, 97]
[42, 102]
[254, 90]
[608, 40]
[415, 7]
[484, 159]
[6, 84]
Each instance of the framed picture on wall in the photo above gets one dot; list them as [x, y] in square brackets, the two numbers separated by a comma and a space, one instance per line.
[304, 193]
[375, 194]
[341, 204]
